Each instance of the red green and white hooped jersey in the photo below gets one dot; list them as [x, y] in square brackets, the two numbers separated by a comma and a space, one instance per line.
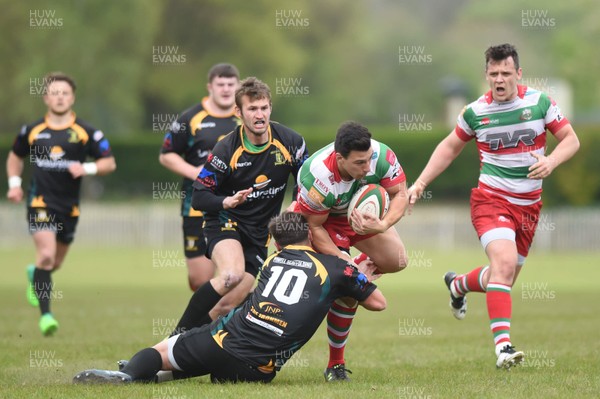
[321, 189]
[507, 133]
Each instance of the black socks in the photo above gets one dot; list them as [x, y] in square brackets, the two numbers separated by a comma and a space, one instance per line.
[42, 283]
[144, 365]
[196, 313]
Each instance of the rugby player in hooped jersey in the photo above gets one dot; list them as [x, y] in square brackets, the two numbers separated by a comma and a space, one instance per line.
[326, 183]
[509, 124]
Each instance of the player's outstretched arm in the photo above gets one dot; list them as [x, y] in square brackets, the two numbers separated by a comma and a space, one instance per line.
[443, 155]
[14, 169]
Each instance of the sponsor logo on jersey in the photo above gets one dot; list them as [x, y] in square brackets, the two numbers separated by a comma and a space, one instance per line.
[56, 153]
[243, 164]
[205, 125]
[270, 308]
[321, 186]
[270, 193]
[217, 163]
[315, 196]
[175, 126]
[98, 135]
[261, 182]
[396, 171]
[488, 121]
[202, 154]
[104, 147]
[525, 115]
[498, 140]
[43, 136]
[167, 142]
[390, 157]
[207, 178]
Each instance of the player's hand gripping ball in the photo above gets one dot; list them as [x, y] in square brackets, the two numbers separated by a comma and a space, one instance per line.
[371, 198]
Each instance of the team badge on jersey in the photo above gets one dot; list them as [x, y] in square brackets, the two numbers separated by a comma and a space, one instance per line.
[526, 115]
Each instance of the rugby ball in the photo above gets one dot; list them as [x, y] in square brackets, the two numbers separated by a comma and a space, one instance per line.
[371, 198]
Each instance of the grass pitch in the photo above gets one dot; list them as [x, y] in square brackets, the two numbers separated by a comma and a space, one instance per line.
[112, 302]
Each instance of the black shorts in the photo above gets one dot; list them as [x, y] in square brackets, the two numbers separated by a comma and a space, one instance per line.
[196, 353]
[43, 219]
[254, 255]
[194, 244]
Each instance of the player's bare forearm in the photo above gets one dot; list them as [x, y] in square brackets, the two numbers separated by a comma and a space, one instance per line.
[14, 165]
[176, 164]
[106, 165]
[14, 169]
[568, 145]
[443, 155]
[565, 149]
[323, 243]
[398, 205]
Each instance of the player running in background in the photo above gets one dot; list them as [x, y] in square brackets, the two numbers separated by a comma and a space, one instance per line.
[240, 188]
[255, 340]
[57, 145]
[185, 150]
[509, 124]
[327, 182]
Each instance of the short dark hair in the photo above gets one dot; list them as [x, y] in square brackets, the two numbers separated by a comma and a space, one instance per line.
[223, 70]
[352, 136]
[501, 52]
[289, 228]
[58, 76]
[253, 88]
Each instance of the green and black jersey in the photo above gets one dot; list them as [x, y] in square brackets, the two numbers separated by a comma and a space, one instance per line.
[51, 149]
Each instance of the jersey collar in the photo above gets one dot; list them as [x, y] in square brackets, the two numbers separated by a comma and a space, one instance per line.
[204, 107]
[60, 127]
[299, 247]
[265, 146]
[331, 164]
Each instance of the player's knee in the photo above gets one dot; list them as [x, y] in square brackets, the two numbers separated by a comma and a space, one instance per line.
[231, 279]
[46, 259]
[402, 260]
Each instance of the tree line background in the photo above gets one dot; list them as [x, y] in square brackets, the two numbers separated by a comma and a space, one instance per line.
[139, 62]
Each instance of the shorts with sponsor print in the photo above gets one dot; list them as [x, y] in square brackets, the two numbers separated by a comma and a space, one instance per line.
[490, 211]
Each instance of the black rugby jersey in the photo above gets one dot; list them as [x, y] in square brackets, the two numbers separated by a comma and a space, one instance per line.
[193, 136]
[232, 167]
[51, 149]
[294, 293]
